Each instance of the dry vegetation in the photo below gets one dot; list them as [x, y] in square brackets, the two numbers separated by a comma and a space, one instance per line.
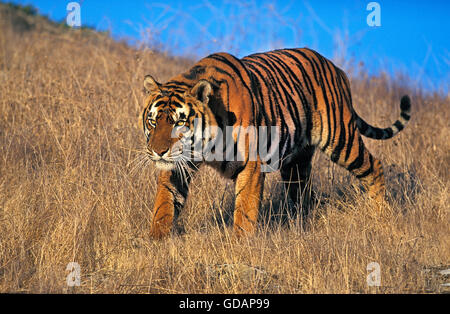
[70, 104]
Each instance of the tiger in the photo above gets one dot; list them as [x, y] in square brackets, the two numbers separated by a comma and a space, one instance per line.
[298, 91]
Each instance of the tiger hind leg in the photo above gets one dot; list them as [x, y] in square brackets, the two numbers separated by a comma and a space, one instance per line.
[360, 162]
[296, 177]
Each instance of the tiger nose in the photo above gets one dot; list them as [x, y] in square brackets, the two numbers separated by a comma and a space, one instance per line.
[161, 152]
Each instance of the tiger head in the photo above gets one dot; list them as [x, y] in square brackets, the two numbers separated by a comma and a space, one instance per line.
[168, 120]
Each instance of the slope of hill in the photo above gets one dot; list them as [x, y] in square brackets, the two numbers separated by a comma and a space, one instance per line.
[72, 191]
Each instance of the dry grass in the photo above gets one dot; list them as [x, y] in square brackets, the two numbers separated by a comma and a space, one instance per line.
[69, 130]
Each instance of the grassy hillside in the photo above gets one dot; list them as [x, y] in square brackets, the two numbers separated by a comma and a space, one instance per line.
[71, 190]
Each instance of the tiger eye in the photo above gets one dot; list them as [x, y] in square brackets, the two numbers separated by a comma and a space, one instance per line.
[180, 123]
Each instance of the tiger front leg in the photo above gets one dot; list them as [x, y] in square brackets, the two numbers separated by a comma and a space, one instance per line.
[249, 187]
[171, 195]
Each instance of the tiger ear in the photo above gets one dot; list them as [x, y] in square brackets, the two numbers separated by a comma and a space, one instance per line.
[202, 90]
[150, 84]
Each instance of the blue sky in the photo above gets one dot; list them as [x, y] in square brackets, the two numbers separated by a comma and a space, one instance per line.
[413, 36]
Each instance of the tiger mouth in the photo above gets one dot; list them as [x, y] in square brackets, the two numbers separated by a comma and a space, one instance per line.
[165, 164]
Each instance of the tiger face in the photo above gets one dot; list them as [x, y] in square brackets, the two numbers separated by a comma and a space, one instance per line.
[168, 121]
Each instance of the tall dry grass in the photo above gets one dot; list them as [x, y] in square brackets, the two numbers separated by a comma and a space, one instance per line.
[69, 192]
